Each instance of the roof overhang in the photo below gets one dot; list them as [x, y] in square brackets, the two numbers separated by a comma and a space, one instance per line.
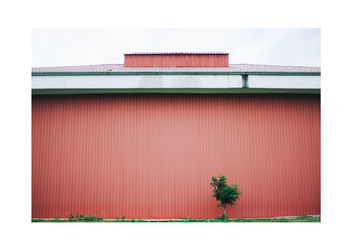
[91, 73]
[175, 91]
[175, 82]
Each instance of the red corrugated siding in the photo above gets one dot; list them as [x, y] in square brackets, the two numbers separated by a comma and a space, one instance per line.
[152, 156]
[176, 61]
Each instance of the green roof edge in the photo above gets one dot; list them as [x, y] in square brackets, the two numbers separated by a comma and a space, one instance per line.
[176, 90]
[37, 74]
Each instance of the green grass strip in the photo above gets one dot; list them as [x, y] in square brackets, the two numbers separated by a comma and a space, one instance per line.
[187, 220]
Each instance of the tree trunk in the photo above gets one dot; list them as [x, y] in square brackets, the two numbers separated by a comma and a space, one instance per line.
[225, 211]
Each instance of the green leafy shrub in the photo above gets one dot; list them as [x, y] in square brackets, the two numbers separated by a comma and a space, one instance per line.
[82, 218]
[224, 193]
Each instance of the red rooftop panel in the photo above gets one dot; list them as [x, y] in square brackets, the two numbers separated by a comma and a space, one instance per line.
[176, 60]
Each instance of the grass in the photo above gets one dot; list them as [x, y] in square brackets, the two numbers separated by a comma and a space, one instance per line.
[182, 220]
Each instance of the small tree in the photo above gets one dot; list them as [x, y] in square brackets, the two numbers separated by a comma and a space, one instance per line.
[225, 194]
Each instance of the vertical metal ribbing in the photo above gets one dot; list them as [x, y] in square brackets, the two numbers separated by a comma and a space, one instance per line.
[176, 60]
[152, 156]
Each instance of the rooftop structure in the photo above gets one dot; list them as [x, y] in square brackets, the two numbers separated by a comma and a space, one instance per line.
[180, 59]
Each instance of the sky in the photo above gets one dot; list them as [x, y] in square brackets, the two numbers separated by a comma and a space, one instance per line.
[59, 47]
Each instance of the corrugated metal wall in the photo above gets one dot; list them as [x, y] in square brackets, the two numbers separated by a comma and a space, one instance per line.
[176, 61]
[152, 156]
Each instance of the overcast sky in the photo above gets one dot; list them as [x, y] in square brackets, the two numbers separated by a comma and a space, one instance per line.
[57, 47]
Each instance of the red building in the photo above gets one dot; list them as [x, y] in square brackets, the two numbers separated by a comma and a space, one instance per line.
[142, 140]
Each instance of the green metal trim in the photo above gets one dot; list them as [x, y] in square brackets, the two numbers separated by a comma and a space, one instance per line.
[35, 74]
[174, 90]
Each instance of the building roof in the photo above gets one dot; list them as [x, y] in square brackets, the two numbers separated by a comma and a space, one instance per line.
[233, 68]
[177, 53]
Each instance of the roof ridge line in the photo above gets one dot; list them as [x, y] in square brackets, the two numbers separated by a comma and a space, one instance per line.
[278, 65]
[82, 65]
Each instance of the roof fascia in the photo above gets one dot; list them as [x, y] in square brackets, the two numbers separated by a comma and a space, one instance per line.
[174, 73]
[176, 91]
